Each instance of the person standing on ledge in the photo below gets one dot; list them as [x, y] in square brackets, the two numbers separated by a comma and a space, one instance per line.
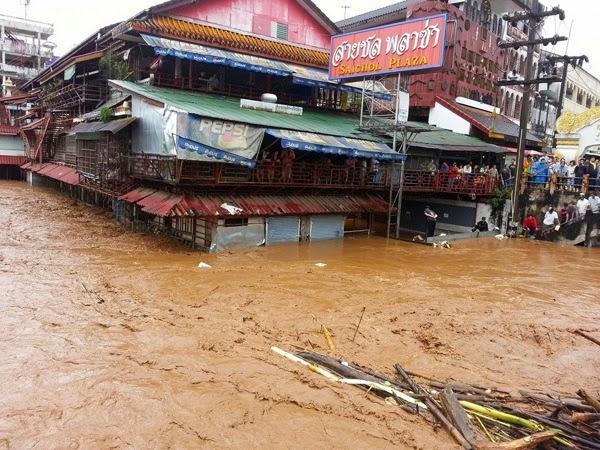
[431, 218]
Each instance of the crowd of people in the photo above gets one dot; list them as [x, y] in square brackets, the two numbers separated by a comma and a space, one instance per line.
[569, 212]
[277, 166]
[571, 177]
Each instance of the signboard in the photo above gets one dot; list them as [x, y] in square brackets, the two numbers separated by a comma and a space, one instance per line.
[402, 106]
[407, 46]
[206, 139]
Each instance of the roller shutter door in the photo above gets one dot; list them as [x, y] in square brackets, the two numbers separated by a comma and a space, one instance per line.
[326, 227]
[283, 229]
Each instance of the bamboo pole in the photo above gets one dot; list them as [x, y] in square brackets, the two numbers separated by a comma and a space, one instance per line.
[359, 321]
[431, 405]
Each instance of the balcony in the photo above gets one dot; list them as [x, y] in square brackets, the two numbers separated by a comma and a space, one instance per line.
[23, 72]
[315, 175]
[19, 25]
[24, 49]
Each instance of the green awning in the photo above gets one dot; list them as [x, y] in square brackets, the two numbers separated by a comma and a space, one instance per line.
[226, 108]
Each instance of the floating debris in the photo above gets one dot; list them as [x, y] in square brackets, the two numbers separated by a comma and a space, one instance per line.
[203, 265]
[477, 417]
[320, 264]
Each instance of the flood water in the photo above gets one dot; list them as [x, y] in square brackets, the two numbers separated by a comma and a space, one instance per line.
[118, 340]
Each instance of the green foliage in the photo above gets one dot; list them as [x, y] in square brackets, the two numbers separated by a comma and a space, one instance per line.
[105, 114]
[113, 67]
[498, 201]
[52, 86]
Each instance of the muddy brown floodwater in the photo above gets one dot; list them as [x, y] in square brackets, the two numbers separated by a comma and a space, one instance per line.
[159, 353]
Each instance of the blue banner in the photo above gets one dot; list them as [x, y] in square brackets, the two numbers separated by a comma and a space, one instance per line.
[237, 64]
[219, 155]
[332, 145]
[338, 87]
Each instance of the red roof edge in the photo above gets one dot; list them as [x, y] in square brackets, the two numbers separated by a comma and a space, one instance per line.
[462, 114]
[11, 130]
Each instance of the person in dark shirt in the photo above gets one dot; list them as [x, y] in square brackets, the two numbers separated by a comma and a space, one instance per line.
[580, 170]
[431, 219]
[482, 225]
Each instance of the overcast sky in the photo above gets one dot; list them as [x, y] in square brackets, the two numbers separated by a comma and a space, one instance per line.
[75, 20]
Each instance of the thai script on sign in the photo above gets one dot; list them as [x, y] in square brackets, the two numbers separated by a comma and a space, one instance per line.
[398, 44]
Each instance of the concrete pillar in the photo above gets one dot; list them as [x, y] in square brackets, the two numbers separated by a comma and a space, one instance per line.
[39, 50]
[2, 51]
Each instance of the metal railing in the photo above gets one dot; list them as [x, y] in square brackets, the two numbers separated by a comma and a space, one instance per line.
[27, 72]
[73, 95]
[24, 48]
[306, 174]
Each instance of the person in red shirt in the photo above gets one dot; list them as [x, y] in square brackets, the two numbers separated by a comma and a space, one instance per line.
[530, 226]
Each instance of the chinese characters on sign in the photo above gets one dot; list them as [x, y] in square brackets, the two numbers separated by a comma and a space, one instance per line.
[412, 45]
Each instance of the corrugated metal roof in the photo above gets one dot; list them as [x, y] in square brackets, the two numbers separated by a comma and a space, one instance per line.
[487, 121]
[11, 160]
[376, 13]
[114, 126]
[65, 174]
[225, 108]
[137, 194]
[117, 100]
[447, 140]
[165, 204]
[9, 129]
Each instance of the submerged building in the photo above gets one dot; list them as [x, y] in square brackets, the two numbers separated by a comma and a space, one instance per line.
[216, 123]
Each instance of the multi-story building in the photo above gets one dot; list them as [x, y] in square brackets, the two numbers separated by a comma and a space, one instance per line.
[579, 122]
[24, 50]
[473, 61]
[582, 91]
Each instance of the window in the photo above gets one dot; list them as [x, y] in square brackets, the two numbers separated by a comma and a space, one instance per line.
[279, 31]
[569, 92]
[235, 222]
[486, 12]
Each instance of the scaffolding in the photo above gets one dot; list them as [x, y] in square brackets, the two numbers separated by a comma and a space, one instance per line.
[389, 118]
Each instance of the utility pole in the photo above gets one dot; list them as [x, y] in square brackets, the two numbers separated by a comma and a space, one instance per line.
[534, 19]
[345, 8]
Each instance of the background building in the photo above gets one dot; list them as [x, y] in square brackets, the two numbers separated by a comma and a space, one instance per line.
[24, 50]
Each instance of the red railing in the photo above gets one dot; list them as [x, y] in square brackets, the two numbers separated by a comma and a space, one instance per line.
[306, 174]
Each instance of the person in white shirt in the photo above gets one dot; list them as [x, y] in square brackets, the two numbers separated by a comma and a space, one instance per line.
[582, 204]
[550, 218]
[571, 176]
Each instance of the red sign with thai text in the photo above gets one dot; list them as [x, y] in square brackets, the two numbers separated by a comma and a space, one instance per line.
[411, 45]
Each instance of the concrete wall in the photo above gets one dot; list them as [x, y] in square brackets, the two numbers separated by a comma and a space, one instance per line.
[453, 215]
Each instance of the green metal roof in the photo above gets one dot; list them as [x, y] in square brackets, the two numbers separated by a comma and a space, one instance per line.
[226, 108]
[442, 139]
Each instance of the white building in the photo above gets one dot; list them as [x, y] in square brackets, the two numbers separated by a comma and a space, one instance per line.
[578, 127]
[24, 50]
